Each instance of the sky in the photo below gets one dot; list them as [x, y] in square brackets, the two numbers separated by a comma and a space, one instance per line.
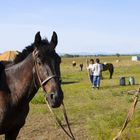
[87, 26]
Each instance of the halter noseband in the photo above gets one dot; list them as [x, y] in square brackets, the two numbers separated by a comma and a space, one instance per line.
[47, 79]
[35, 52]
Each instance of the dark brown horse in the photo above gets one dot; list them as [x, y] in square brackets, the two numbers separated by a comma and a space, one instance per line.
[110, 68]
[37, 66]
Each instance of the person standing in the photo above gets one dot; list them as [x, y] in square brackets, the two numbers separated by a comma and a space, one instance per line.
[90, 70]
[81, 67]
[97, 69]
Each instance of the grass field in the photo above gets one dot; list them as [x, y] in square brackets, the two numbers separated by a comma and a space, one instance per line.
[103, 111]
[93, 114]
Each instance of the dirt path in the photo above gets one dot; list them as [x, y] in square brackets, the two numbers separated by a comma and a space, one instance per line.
[40, 126]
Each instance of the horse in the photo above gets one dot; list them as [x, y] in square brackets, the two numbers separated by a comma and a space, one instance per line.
[109, 67]
[38, 65]
[74, 63]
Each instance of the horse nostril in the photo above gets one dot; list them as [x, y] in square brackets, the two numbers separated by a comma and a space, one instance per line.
[54, 99]
[51, 95]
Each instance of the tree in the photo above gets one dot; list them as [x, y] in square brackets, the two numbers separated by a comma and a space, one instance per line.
[117, 54]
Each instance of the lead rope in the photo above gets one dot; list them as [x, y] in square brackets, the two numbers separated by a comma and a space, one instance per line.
[129, 115]
[67, 121]
[58, 121]
[53, 114]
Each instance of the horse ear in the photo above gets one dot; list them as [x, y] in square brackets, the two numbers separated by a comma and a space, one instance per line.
[54, 40]
[37, 39]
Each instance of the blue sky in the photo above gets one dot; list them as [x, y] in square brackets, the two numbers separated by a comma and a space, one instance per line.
[110, 26]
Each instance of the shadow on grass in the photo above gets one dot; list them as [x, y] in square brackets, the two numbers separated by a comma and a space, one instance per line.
[69, 82]
[116, 86]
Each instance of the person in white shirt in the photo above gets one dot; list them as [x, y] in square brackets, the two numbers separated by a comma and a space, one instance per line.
[90, 70]
[97, 68]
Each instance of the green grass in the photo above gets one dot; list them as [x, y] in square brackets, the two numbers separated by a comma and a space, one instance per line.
[38, 99]
[101, 112]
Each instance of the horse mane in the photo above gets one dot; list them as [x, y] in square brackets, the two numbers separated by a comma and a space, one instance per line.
[27, 50]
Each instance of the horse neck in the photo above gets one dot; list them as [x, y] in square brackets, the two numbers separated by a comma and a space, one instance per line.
[20, 80]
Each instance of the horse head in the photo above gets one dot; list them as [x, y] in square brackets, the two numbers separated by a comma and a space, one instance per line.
[47, 69]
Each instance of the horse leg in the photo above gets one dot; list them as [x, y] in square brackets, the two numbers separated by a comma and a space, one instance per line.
[111, 73]
[12, 135]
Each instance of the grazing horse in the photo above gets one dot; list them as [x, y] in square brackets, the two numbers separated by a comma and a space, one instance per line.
[38, 65]
[110, 68]
[73, 63]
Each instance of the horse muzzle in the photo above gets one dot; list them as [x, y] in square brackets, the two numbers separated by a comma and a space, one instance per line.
[55, 99]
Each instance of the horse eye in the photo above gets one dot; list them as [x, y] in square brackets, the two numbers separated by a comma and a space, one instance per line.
[39, 55]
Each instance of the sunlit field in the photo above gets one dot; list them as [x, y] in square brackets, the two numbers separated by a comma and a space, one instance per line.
[101, 113]
[93, 114]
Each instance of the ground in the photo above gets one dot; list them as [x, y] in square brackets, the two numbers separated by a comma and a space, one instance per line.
[40, 126]
[93, 114]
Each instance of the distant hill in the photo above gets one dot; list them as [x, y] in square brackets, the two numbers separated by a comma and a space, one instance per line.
[77, 54]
